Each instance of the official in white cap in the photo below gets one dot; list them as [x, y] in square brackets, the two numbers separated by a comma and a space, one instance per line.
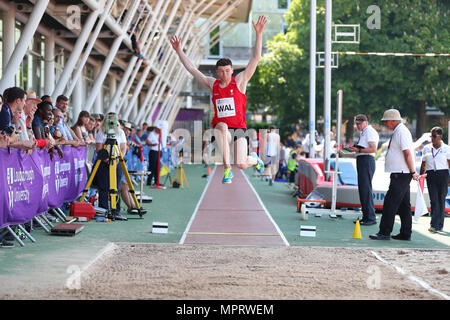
[399, 162]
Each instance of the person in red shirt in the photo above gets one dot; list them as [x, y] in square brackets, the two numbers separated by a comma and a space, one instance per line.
[229, 100]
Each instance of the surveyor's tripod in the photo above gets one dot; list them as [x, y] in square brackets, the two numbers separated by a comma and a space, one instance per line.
[111, 152]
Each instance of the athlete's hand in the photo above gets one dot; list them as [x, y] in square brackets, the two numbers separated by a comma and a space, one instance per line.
[259, 26]
[176, 43]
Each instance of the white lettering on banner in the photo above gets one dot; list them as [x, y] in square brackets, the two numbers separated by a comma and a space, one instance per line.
[64, 182]
[23, 195]
[11, 198]
[10, 175]
[45, 171]
[19, 176]
[78, 178]
[79, 164]
[65, 166]
[61, 183]
[225, 107]
[44, 191]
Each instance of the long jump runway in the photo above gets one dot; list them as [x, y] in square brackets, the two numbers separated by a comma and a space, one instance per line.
[232, 214]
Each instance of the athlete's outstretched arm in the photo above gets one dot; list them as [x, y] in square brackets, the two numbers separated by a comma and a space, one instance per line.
[245, 76]
[189, 65]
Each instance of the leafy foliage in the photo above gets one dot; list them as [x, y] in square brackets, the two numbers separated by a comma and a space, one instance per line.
[371, 84]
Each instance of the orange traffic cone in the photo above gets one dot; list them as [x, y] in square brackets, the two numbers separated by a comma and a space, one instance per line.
[209, 171]
[357, 231]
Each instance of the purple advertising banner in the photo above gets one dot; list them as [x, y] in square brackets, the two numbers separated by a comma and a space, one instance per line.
[30, 185]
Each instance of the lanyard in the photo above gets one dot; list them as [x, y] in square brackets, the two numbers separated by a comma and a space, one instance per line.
[434, 156]
[432, 152]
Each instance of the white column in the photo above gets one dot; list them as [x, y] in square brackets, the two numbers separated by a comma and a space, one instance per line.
[9, 22]
[157, 16]
[90, 45]
[112, 87]
[75, 54]
[98, 106]
[49, 64]
[76, 98]
[14, 62]
[149, 104]
[110, 57]
[152, 59]
[312, 78]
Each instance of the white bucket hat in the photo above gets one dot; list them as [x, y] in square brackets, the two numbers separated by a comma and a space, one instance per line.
[392, 114]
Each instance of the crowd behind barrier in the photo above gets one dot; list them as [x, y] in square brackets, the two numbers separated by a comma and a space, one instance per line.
[46, 157]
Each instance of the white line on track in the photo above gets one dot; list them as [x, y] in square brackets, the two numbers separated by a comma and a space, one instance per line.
[412, 278]
[183, 237]
[266, 211]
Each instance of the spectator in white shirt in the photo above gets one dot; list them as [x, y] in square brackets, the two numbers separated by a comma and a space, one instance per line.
[153, 141]
[435, 163]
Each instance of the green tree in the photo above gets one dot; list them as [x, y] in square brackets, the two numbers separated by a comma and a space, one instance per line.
[371, 84]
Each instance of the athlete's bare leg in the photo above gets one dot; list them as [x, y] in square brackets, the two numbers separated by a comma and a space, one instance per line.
[223, 141]
[242, 159]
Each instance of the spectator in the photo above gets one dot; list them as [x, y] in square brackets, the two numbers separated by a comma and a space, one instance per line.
[153, 142]
[62, 103]
[306, 145]
[436, 163]
[79, 127]
[145, 130]
[294, 157]
[90, 130]
[47, 98]
[43, 114]
[27, 115]
[124, 188]
[273, 153]
[15, 99]
[98, 122]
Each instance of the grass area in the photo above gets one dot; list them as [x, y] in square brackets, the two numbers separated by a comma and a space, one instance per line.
[337, 232]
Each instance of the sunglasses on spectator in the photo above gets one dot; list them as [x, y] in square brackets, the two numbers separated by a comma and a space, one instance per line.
[435, 135]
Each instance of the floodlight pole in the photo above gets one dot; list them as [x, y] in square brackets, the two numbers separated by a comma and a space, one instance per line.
[327, 87]
[338, 139]
[312, 79]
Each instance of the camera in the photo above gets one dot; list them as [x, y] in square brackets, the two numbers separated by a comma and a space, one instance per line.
[133, 144]
[111, 125]
[8, 131]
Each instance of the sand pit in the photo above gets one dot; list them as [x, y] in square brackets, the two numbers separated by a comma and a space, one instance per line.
[172, 272]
